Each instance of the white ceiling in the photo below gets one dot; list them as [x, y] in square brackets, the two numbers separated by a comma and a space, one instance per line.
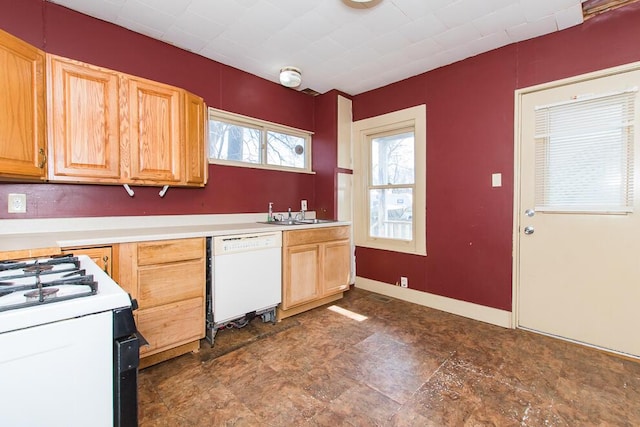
[352, 49]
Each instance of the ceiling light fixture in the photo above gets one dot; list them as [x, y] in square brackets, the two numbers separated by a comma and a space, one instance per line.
[290, 77]
[361, 4]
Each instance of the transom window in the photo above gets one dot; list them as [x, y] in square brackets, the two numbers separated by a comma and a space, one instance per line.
[244, 141]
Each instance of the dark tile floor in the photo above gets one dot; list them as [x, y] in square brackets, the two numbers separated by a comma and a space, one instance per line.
[405, 365]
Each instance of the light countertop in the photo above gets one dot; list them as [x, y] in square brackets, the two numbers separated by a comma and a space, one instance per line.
[34, 235]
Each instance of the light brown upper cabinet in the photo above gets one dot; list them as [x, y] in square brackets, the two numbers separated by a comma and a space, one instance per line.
[156, 145]
[22, 110]
[196, 158]
[113, 128]
[84, 129]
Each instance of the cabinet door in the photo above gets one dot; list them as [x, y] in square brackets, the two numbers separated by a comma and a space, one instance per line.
[336, 267]
[155, 144]
[101, 255]
[22, 109]
[195, 155]
[301, 281]
[84, 126]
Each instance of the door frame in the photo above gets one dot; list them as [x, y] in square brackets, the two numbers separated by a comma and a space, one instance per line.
[517, 142]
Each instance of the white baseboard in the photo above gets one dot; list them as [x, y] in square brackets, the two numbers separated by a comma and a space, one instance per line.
[473, 311]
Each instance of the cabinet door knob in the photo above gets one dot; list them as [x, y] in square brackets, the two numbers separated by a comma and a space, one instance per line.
[105, 259]
[44, 158]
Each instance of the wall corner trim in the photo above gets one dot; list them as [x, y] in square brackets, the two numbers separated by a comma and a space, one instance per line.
[470, 310]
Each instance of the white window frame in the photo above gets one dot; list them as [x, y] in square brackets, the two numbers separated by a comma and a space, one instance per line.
[264, 127]
[363, 131]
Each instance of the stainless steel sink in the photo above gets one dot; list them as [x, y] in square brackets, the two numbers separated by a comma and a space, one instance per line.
[298, 221]
[285, 222]
[315, 221]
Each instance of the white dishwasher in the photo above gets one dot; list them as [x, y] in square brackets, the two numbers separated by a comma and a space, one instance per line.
[244, 279]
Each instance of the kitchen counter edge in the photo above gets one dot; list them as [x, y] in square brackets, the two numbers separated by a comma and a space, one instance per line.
[42, 242]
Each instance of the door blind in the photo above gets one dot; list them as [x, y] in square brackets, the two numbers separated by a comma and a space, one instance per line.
[584, 154]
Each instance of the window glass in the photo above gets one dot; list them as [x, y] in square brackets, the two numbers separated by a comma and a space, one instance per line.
[392, 159]
[228, 141]
[285, 150]
[391, 213]
[243, 141]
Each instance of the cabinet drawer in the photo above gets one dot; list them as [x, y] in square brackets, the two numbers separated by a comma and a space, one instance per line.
[165, 251]
[162, 284]
[171, 325]
[315, 235]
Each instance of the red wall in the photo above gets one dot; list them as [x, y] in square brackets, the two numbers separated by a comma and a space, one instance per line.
[469, 137]
[64, 32]
[470, 113]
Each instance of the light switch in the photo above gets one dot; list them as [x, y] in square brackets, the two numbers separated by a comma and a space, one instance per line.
[496, 180]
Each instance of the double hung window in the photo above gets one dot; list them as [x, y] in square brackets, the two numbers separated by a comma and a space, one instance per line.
[390, 181]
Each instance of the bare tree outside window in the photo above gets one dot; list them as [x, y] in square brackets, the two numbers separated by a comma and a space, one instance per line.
[391, 189]
[285, 150]
[259, 144]
[233, 142]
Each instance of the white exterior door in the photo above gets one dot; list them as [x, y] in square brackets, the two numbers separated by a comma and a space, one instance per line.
[578, 253]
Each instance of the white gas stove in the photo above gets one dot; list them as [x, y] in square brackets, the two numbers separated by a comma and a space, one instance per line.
[70, 287]
[67, 335]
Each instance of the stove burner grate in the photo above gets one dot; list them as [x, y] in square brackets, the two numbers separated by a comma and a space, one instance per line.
[38, 268]
[43, 282]
[41, 294]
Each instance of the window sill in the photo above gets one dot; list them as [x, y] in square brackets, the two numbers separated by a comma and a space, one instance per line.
[260, 166]
[407, 247]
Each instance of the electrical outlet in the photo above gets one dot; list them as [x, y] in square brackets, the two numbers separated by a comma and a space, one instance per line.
[17, 203]
[404, 282]
[303, 205]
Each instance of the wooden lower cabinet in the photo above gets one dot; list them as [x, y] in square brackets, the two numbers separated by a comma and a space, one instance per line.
[167, 278]
[101, 255]
[316, 268]
[302, 278]
[170, 325]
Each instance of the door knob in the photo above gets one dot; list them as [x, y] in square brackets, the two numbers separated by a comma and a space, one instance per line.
[530, 212]
[529, 229]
